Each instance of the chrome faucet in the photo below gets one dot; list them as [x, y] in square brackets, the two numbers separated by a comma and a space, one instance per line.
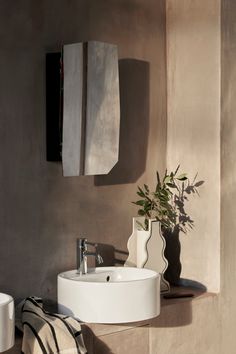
[82, 254]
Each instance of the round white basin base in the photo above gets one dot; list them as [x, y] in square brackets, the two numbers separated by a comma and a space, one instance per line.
[7, 322]
[110, 295]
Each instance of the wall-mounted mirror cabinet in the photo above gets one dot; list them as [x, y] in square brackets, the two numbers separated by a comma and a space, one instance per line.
[83, 113]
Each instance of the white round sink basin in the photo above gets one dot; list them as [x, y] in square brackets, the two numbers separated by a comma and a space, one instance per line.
[110, 294]
[7, 322]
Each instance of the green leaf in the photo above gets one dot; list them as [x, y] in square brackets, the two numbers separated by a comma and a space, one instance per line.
[158, 179]
[141, 212]
[140, 202]
[146, 188]
[166, 174]
[167, 179]
[140, 192]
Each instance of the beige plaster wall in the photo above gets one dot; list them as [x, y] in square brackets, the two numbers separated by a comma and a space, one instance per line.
[193, 140]
[41, 212]
[207, 325]
[187, 328]
[193, 135]
[228, 174]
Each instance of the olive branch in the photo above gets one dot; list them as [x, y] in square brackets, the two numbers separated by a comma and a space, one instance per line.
[166, 202]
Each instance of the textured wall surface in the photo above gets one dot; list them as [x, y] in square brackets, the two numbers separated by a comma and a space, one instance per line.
[42, 213]
[207, 326]
[193, 140]
[193, 136]
[187, 328]
[228, 173]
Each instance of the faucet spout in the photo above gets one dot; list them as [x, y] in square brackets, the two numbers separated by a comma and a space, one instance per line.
[82, 254]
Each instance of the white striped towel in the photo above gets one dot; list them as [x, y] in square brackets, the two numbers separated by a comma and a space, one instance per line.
[47, 333]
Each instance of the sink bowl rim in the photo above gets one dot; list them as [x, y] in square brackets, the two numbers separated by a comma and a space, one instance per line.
[92, 271]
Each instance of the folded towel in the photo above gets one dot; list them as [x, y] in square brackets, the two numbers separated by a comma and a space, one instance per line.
[47, 333]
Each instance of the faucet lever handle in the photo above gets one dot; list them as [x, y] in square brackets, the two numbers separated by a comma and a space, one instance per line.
[99, 258]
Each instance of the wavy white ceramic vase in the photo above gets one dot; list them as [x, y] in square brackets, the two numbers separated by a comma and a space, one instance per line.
[146, 249]
[137, 245]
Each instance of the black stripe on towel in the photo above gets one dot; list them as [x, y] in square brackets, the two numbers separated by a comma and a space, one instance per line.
[69, 329]
[34, 302]
[51, 327]
[38, 299]
[76, 334]
[37, 336]
[30, 299]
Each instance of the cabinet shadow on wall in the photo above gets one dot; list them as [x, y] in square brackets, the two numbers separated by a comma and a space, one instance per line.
[134, 76]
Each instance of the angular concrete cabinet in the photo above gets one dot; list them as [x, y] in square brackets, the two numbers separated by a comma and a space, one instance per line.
[91, 108]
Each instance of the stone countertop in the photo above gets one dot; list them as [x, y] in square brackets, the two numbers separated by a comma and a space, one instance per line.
[99, 330]
[180, 294]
